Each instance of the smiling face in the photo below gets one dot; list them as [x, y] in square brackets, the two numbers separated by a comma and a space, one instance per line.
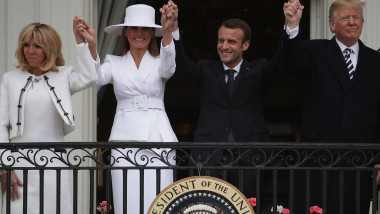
[347, 25]
[139, 37]
[34, 55]
[231, 46]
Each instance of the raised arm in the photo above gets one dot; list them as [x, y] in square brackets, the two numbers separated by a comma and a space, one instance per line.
[295, 60]
[86, 76]
[188, 70]
[293, 13]
[169, 21]
[83, 32]
[167, 64]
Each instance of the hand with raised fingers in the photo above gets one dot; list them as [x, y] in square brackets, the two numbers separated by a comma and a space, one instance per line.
[78, 37]
[293, 13]
[175, 15]
[169, 17]
[85, 32]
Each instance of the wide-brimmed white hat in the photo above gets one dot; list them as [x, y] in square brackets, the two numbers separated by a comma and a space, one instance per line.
[138, 15]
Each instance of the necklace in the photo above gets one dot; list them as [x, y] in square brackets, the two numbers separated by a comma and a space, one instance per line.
[37, 78]
[39, 74]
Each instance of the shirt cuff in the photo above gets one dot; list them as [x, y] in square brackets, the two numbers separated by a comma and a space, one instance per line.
[292, 33]
[175, 35]
[82, 44]
[166, 45]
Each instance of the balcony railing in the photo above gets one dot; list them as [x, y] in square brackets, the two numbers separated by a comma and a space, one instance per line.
[275, 167]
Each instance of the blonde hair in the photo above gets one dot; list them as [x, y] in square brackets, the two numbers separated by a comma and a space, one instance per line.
[340, 4]
[152, 47]
[46, 37]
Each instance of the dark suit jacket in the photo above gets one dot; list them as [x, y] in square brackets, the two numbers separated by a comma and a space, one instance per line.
[336, 109]
[219, 112]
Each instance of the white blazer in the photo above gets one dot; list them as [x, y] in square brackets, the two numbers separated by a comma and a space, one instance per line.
[60, 85]
[140, 93]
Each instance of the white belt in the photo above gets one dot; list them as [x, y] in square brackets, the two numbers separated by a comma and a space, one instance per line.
[141, 103]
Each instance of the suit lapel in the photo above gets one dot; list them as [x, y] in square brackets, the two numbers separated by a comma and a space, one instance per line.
[365, 62]
[132, 78]
[335, 57]
[146, 65]
[243, 69]
[222, 80]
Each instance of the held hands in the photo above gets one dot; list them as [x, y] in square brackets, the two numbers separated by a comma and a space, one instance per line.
[15, 182]
[169, 17]
[293, 13]
[78, 37]
[169, 21]
[84, 32]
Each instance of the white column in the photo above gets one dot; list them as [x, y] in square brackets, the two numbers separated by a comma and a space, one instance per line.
[371, 31]
[3, 36]
[319, 25]
[319, 12]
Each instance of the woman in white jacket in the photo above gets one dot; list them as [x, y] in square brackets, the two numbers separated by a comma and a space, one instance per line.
[36, 106]
[138, 76]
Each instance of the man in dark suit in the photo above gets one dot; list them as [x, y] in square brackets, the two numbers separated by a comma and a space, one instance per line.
[342, 100]
[231, 96]
[228, 114]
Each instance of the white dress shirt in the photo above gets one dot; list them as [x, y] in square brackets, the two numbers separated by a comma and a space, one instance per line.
[354, 55]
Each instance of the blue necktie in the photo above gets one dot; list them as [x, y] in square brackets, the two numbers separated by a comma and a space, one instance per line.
[350, 66]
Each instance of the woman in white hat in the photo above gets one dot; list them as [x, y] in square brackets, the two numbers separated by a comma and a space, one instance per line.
[138, 76]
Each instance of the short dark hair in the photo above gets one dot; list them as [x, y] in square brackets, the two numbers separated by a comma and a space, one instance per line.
[238, 23]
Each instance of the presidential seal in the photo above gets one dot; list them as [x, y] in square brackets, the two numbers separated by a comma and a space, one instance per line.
[201, 194]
